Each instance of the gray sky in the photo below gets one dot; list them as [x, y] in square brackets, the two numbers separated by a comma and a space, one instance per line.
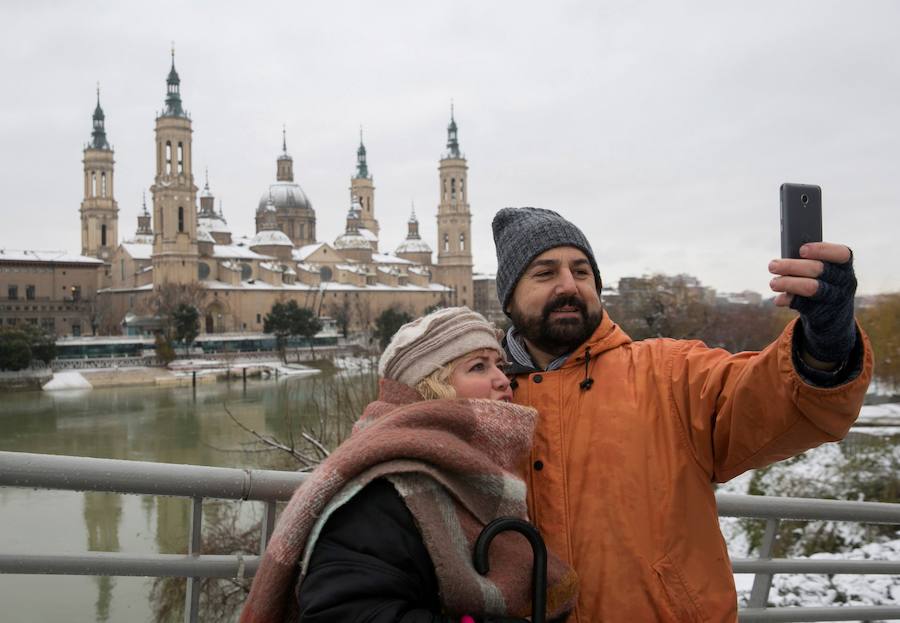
[662, 129]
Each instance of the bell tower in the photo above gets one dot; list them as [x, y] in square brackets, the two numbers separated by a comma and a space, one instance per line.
[362, 190]
[174, 194]
[454, 223]
[99, 210]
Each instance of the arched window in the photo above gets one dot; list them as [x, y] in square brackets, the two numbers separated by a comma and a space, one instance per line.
[168, 158]
[180, 158]
[103, 184]
[446, 242]
[93, 184]
[445, 188]
[462, 242]
[462, 190]
[453, 188]
[180, 219]
[103, 235]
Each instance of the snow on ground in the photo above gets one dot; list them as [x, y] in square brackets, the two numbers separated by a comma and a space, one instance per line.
[66, 380]
[355, 364]
[887, 414]
[203, 367]
[829, 471]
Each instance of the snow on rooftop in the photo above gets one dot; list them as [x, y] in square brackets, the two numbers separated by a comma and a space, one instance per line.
[326, 286]
[138, 251]
[237, 252]
[413, 246]
[368, 234]
[301, 253]
[269, 237]
[351, 241]
[53, 257]
[213, 225]
[383, 258]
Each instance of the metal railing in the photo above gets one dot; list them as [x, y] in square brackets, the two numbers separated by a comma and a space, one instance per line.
[42, 471]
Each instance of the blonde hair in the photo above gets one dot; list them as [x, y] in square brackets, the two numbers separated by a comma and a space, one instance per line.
[436, 386]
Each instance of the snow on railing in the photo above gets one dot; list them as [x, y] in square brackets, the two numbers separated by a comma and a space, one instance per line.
[72, 473]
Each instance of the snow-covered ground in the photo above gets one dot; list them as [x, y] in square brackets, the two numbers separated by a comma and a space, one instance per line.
[356, 364]
[66, 380]
[887, 414]
[205, 367]
[839, 471]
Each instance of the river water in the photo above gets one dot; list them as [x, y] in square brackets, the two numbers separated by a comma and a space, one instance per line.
[172, 425]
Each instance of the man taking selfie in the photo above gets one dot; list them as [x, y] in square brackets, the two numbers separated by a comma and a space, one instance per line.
[632, 435]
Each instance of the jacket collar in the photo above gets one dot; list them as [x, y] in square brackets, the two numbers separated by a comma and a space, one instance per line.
[607, 336]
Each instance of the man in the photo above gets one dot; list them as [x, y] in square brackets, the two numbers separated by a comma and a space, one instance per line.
[631, 435]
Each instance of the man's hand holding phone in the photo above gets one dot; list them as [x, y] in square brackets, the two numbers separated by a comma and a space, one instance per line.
[821, 286]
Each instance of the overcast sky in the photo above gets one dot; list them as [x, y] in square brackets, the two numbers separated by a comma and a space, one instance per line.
[662, 129]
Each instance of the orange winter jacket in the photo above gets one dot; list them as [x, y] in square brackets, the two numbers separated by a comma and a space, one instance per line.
[622, 475]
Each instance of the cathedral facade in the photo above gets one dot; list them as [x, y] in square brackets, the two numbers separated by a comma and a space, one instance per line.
[184, 240]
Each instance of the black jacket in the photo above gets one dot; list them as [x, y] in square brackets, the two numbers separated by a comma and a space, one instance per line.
[370, 565]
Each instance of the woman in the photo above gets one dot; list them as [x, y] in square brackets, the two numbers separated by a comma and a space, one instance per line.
[383, 529]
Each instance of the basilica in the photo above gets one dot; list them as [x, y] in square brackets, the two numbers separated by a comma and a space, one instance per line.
[184, 241]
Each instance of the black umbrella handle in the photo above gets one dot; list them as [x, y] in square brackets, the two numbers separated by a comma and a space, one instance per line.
[539, 567]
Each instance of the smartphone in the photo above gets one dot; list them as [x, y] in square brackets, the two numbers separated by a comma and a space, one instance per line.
[801, 217]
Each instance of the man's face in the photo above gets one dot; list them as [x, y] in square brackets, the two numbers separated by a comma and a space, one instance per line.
[555, 305]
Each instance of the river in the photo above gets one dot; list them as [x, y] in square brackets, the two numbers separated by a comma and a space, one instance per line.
[172, 425]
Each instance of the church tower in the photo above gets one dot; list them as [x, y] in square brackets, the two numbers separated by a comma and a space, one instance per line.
[362, 190]
[174, 194]
[99, 210]
[454, 223]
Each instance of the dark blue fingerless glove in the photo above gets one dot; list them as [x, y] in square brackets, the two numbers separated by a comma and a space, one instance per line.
[829, 330]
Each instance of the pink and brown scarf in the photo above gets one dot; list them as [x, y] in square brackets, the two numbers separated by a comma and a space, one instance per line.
[456, 465]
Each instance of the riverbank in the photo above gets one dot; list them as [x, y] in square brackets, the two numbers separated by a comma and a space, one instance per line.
[184, 373]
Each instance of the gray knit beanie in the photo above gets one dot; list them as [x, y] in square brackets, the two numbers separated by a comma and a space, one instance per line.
[422, 346]
[521, 234]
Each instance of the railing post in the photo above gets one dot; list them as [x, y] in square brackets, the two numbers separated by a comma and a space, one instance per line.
[192, 592]
[267, 526]
[762, 582]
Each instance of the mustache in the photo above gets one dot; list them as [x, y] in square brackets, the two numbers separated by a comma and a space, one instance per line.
[566, 300]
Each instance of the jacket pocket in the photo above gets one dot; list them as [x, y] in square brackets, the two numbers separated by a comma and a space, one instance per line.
[682, 601]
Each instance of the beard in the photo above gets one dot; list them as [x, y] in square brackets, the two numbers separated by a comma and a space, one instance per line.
[558, 336]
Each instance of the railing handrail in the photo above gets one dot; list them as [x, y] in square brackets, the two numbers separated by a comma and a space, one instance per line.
[806, 509]
[74, 473]
[79, 473]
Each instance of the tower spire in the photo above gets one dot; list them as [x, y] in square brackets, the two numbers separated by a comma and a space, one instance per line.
[362, 168]
[98, 134]
[173, 91]
[144, 225]
[284, 171]
[452, 142]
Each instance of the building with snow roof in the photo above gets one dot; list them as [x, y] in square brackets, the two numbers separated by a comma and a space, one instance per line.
[184, 240]
[243, 276]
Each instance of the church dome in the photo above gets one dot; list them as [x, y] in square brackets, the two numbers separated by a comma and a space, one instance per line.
[285, 196]
[270, 237]
[352, 240]
[413, 246]
[213, 225]
[204, 236]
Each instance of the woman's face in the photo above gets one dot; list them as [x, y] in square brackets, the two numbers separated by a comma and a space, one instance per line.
[479, 375]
